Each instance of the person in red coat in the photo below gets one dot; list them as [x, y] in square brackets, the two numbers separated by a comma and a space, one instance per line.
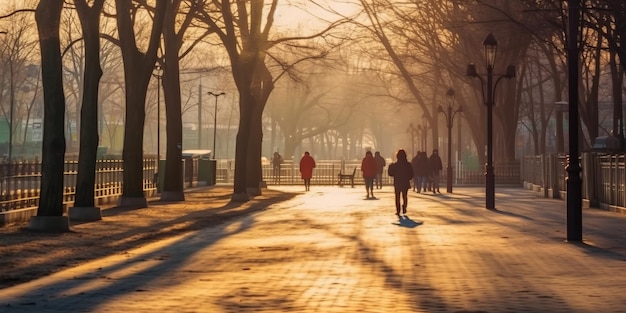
[307, 164]
[368, 167]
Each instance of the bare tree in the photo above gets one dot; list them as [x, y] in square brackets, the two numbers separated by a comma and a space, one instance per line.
[50, 210]
[244, 28]
[138, 66]
[89, 16]
[18, 55]
[173, 35]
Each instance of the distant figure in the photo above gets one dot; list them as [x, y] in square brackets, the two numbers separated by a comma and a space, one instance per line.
[423, 168]
[277, 160]
[307, 164]
[435, 167]
[402, 173]
[380, 165]
[368, 167]
[414, 164]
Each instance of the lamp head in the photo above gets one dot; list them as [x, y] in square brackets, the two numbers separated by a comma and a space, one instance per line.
[510, 71]
[450, 96]
[471, 70]
[491, 46]
[450, 92]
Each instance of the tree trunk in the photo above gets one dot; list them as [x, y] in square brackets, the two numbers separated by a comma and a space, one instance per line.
[173, 189]
[240, 193]
[138, 67]
[89, 137]
[48, 15]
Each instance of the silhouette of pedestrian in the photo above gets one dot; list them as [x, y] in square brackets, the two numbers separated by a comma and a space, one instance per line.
[368, 167]
[307, 164]
[380, 165]
[435, 166]
[277, 160]
[402, 173]
[414, 164]
[423, 169]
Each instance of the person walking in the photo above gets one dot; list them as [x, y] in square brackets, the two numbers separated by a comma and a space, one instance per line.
[307, 164]
[380, 166]
[435, 166]
[402, 173]
[368, 167]
[277, 160]
[414, 164]
[422, 171]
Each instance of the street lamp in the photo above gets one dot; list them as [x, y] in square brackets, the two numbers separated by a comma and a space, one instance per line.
[574, 182]
[449, 115]
[423, 128]
[216, 95]
[412, 130]
[491, 46]
[157, 74]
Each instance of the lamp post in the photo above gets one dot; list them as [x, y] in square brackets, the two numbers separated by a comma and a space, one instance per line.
[157, 74]
[491, 46]
[412, 129]
[216, 95]
[574, 182]
[449, 115]
[423, 128]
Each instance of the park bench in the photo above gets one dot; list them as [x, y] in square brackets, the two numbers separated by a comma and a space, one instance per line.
[346, 177]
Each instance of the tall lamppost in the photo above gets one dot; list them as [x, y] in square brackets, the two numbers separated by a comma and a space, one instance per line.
[491, 46]
[574, 182]
[449, 115]
[216, 95]
[423, 128]
[158, 75]
[412, 130]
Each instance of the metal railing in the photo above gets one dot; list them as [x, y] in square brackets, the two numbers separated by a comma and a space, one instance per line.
[603, 177]
[20, 182]
[326, 173]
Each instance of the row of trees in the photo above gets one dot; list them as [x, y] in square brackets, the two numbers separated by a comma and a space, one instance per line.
[149, 35]
[405, 55]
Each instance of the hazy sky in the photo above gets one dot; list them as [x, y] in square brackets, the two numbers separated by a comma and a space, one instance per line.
[309, 15]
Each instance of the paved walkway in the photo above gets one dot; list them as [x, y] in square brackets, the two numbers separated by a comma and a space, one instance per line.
[330, 250]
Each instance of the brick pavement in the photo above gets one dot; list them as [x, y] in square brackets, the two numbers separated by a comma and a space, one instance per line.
[330, 250]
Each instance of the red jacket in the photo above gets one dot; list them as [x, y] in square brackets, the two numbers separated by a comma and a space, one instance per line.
[368, 166]
[307, 164]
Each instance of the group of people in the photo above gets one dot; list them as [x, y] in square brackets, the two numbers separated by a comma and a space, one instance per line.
[307, 164]
[423, 170]
[426, 171]
[372, 167]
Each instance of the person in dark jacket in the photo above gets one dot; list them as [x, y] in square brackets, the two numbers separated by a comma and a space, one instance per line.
[423, 169]
[380, 165]
[435, 166]
[414, 164]
[277, 161]
[402, 173]
[368, 167]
